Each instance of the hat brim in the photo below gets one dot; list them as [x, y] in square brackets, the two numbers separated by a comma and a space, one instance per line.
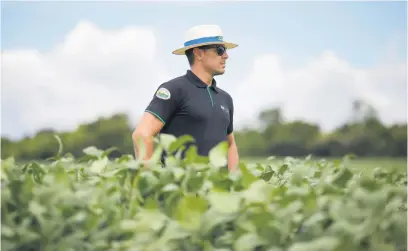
[182, 50]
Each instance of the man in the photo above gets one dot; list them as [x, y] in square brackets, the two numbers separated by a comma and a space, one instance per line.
[193, 104]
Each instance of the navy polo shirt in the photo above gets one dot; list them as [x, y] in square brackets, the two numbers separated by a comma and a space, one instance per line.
[188, 106]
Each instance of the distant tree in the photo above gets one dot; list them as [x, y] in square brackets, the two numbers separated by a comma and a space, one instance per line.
[363, 111]
[271, 116]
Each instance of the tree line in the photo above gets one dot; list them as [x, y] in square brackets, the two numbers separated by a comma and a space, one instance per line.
[363, 135]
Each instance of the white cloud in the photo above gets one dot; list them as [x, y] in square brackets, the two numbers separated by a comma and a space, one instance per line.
[93, 72]
[322, 91]
[98, 72]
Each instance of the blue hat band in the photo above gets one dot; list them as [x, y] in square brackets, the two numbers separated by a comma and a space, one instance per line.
[203, 40]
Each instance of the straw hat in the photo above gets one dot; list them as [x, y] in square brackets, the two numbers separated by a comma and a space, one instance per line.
[203, 35]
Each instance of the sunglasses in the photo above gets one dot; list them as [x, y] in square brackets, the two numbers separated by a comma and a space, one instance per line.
[220, 49]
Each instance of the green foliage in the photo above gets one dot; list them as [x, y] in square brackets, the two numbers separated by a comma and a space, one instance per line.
[362, 135]
[97, 203]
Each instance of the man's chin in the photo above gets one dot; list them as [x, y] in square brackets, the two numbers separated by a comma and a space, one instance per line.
[219, 72]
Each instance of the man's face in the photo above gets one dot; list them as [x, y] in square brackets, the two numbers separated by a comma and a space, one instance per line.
[214, 58]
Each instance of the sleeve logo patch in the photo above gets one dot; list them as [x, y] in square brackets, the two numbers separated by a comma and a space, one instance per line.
[163, 93]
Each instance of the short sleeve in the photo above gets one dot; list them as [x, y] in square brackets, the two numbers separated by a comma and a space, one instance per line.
[230, 128]
[165, 102]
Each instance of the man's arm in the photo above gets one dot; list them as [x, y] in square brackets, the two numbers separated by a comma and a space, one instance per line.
[233, 156]
[144, 133]
[160, 109]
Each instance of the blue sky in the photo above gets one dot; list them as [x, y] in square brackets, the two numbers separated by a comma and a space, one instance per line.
[281, 49]
[360, 32]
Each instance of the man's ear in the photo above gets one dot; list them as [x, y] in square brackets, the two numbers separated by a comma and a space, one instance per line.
[197, 53]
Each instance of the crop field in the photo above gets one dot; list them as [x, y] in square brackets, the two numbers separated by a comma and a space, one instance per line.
[398, 164]
[288, 204]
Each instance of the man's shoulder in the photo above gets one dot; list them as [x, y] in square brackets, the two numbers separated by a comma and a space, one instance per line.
[173, 87]
[174, 83]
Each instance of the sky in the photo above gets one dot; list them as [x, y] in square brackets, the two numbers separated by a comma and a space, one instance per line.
[66, 63]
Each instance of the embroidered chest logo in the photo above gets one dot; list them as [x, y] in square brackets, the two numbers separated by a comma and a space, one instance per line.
[224, 109]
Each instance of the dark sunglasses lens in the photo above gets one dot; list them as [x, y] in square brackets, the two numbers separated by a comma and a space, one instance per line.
[221, 50]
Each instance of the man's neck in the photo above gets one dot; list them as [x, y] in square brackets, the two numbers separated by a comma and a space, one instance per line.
[203, 75]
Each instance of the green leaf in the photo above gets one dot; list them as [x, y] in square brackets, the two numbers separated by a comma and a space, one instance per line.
[192, 155]
[212, 219]
[170, 188]
[178, 173]
[369, 184]
[218, 155]
[258, 192]
[325, 243]
[36, 209]
[179, 142]
[193, 181]
[248, 242]
[190, 210]
[247, 177]
[93, 151]
[268, 173]
[145, 221]
[341, 179]
[124, 158]
[166, 140]
[7, 231]
[283, 169]
[166, 176]
[224, 202]
[109, 151]
[128, 225]
[147, 182]
[98, 166]
[172, 232]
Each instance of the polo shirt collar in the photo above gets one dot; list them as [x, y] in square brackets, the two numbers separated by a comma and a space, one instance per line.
[198, 82]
